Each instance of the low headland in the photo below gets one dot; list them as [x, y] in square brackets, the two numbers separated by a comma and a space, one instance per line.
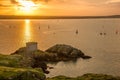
[30, 63]
[56, 17]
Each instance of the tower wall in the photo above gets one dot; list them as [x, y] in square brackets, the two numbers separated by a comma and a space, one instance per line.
[31, 46]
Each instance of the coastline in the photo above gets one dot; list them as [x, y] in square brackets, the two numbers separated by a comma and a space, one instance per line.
[57, 17]
[24, 64]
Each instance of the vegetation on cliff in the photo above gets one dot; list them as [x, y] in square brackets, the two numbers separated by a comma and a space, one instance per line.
[11, 73]
[17, 67]
[21, 65]
[11, 60]
[87, 77]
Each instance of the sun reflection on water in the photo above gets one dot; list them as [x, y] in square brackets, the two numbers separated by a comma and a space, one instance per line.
[27, 31]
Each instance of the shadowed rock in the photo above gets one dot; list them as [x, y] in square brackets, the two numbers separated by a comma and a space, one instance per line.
[67, 51]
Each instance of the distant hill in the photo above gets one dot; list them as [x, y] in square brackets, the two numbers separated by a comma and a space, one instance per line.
[55, 17]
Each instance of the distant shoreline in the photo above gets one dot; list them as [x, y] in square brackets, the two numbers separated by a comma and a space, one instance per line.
[56, 17]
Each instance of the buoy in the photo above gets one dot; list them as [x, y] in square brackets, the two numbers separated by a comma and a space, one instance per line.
[104, 33]
[48, 27]
[39, 27]
[100, 33]
[116, 32]
[76, 31]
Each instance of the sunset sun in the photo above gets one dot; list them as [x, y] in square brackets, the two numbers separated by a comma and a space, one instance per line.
[26, 6]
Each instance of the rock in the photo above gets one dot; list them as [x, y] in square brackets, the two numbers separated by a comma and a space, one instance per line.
[20, 51]
[66, 52]
[8, 73]
[86, 57]
[59, 52]
[41, 64]
[62, 49]
[50, 67]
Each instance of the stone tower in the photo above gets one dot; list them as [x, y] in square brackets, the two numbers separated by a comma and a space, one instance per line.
[31, 46]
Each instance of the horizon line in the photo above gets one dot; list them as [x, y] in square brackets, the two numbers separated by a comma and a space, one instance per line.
[54, 17]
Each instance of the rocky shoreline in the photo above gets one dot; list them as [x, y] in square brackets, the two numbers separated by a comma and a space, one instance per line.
[56, 53]
[32, 65]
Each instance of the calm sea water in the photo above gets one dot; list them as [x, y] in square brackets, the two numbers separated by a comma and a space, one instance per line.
[105, 49]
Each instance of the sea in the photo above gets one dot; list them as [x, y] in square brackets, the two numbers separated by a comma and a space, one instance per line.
[99, 38]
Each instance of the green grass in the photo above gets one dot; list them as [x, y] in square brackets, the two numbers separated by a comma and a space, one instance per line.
[8, 73]
[87, 77]
[10, 60]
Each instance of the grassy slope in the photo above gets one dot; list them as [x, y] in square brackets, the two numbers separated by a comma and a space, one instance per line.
[10, 60]
[87, 77]
[8, 73]
[13, 68]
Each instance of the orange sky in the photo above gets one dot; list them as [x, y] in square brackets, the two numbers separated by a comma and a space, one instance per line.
[60, 7]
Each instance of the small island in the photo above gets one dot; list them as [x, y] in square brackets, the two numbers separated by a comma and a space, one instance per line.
[30, 63]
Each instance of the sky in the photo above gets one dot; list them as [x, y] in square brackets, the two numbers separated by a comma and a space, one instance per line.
[60, 7]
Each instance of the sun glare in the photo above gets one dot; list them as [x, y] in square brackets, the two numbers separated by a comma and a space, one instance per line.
[26, 6]
[27, 30]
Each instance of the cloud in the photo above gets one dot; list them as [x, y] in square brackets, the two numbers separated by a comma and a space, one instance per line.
[113, 3]
[3, 5]
[83, 7]
[14, 1]
[35, 1]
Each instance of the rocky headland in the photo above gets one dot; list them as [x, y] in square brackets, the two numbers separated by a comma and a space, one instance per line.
[38, 58]
[56, 53]
[30, 63]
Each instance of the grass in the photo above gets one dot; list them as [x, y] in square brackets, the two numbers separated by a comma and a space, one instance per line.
[8, 73]
[88, 76]
[10, 60]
